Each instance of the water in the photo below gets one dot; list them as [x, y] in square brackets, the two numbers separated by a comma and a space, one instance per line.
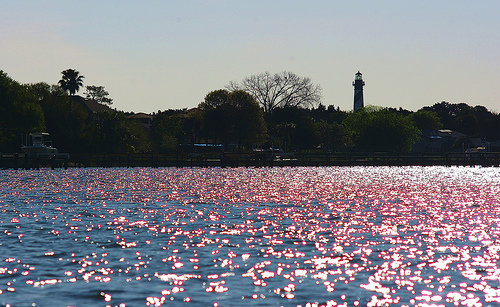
[250, 236]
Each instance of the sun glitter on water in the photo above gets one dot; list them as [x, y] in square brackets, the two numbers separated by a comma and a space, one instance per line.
[353, 236]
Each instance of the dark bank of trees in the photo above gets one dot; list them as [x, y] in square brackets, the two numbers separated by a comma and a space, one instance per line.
[381, 130]
[235, 117]
[20, 112]
[74, 128]
[475, 121]
[232, 118]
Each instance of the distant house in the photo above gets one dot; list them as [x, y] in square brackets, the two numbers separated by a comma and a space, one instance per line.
[438, 141]
[91, 106]
[143, 118]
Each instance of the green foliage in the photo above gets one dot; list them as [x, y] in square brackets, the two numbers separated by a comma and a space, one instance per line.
[248, 120]
[451, 114]
[233, 118]
[79, 131]
[474, 121]
[98, 94]
[215, 99]
[112, 132]
[68, 127]
[291, 128]
[330, 132]
[172, 128]
[425, 119]
[167, 131]
[193, 125]
[216, 116]
[20, 113]
[294, 128]
[228, 117]
[381, 130]
[332, 136]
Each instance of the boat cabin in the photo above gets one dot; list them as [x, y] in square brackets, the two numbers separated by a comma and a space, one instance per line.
[38, 144]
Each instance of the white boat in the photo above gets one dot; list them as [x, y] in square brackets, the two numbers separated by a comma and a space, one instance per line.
[38, 145]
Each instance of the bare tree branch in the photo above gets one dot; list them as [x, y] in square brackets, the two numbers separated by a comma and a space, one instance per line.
[284, 89]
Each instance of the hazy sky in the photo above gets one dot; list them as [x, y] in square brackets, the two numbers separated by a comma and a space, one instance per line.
[156, 55]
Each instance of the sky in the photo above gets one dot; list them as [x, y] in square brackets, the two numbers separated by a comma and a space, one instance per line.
[168, 54]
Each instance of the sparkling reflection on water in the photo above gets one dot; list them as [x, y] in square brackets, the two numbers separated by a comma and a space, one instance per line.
[250, 236]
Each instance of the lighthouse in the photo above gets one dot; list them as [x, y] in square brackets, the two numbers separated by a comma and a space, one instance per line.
[358, 84]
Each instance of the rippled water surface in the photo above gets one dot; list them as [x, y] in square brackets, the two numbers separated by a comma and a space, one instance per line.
[250, 236]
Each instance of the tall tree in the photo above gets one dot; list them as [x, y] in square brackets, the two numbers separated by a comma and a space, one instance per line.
[284, 89]
[71, 81]
[249, 125]
[98, 93]
[215, 99]
[233, 117]
[217, 115]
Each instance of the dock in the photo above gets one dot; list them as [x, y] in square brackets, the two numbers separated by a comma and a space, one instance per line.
[249, 159]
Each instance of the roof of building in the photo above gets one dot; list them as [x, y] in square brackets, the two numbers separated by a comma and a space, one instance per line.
[140, 116]
[91, 105]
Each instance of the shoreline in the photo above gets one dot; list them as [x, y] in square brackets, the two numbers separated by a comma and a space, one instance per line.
[231, 159]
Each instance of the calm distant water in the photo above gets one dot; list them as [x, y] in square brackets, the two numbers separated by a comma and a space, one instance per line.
[250, 236]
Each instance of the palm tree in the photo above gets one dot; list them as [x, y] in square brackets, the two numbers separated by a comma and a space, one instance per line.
[71, 81]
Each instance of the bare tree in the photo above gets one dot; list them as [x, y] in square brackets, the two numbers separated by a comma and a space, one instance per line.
[284, 89]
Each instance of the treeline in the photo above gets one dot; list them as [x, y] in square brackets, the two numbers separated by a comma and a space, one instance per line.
[73, 127]
[236, 118]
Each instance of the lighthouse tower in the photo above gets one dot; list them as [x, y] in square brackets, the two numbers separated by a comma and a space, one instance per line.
[358, 91]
